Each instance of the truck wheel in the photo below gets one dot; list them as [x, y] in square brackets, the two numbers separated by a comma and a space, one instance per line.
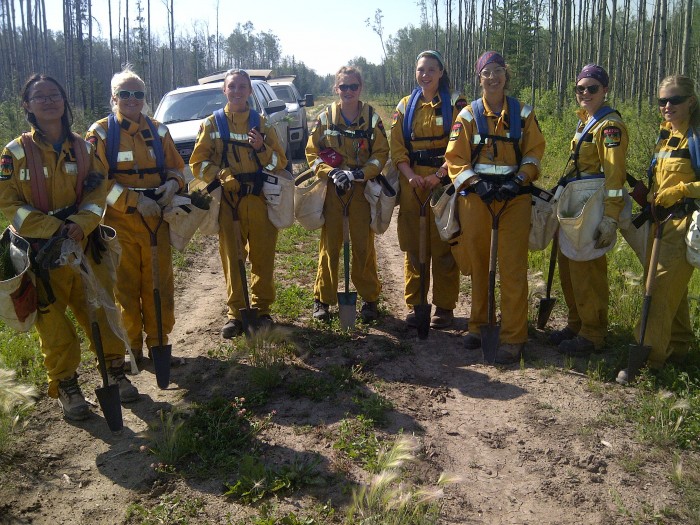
[301, 150]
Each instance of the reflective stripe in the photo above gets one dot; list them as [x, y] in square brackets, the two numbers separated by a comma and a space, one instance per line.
[162, 130]
[21, 214]
[476, 139]
[94, 208]
[466, 114]
[323, 118]
[56, 212]
[317, 162]
[665, 154]
[375, 162]
[214, 135]
[16, 149]
[525, 112]
[99, 131]
[125, 156]
[530, 160]
[494, 169]
[375, 119]
[273, 162]
[463, 177]
[401, 107]
[24, 173]
[114, 194]
[614, 193]
[240, 137]
[332, 132]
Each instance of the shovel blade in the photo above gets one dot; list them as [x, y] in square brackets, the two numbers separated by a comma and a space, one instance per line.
[347, 309]
[161, 364]
[489, 342]
[110, 403]
[249, 319]
[545, 311]
[637, 358]
[422, 312]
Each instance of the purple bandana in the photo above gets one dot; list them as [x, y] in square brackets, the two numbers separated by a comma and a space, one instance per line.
[595, 72]
[490, 57]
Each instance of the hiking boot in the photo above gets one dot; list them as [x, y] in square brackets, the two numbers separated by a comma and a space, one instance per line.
[442, 318]
[507, 354]
[72, 400]
[232, 328]
[472, 341]
[128, 393]
[623, 377]
[321, 311]
[579, 346]
[557, 336]
[411, 320]
[368, 312]
[265, 321]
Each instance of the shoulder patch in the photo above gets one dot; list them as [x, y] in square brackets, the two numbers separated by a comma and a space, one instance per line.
[456, 130]
[394, 118]
[92, 139]
[6, 167]
[612, 136]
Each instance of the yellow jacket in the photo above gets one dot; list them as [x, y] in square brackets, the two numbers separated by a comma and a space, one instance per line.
[136, 161]
[499, 154]
[673, 164]
[60, 170]
[330, 131]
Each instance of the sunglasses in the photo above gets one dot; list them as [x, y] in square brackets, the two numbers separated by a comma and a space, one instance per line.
[591, 89]
[125, 94]
[351, 87]
[674, 100]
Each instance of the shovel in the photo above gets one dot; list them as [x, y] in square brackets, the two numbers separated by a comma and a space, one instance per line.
[159, 354]
[491, 331]
[638, 353]
[422, 310]
[347, 301]
[547, 303]
[107, 395]
[249, 316]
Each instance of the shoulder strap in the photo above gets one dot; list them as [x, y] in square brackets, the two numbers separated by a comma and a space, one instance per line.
[83, 160]
[446, 102]
[224, 134]
[410, 113]
[113, 131]
[157, 145]
[515, 120]
[253, 119]
[694, 147]
[600, 114]
[40, 197]
[480, 118]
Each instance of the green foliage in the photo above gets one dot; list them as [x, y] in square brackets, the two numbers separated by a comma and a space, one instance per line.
[373, 406]
[171, 509]
[357, 440]
[321, 514]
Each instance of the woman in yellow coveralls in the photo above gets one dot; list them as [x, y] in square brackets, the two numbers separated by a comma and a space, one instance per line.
[139, 190]
[669, 331]
[488, 173]
[73, 211]
[602, 153]
[354, 131]
[240, 171]
[420, 158]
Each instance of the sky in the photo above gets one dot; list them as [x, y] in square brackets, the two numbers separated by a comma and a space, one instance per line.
[325, 35]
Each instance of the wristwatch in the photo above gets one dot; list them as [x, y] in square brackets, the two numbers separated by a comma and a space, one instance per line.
[520, 179]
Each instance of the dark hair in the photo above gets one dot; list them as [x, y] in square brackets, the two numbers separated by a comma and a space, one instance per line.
[66, 118]
[241, 72]
[444, 82]
[686, 85]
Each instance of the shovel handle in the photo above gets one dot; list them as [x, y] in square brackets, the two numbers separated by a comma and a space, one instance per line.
[238, 239]
[346, 234]
[552, 262]
[94, 326]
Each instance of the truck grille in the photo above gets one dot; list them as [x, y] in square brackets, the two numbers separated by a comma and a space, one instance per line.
[185, 150]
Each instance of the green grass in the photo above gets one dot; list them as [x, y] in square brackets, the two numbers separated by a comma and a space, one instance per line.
[358, 441]
[170, 509]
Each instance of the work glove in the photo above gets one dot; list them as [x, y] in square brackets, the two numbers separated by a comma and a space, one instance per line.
[358, 174]
[670, 196]
[342, 179]
[167, 191]
[228, 178]
[485, 190]
[508, 190]
[147, 207]
[606, 232]
[92, 181]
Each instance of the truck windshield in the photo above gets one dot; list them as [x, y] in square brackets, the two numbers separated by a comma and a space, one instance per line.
[285, 93]
[194, 105]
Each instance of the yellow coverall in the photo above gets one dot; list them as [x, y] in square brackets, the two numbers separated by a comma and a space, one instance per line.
[428, 134]
[585, 283]
[59, 341]
[136, 168]
[475, 220]
[259, 234]
[370, 155]
[669, 331]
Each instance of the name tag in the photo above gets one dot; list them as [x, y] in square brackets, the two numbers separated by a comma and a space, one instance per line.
[151, 153]
[125, 156]
[438, 120]
[24, 173]
[71, 168]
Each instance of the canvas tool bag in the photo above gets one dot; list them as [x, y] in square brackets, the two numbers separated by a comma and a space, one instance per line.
[309, 198]
[543, 219]
[692, 241]
[209, 224]
[183, 219]
[278, 190]
[18, 296]
[381, 194]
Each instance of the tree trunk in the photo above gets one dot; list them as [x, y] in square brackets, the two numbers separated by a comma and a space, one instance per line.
[90, 70]
[662, 41]
[601, 32]
[111, 39]
[172, 45]
[551, 65]
[566, 38]
[687, 38]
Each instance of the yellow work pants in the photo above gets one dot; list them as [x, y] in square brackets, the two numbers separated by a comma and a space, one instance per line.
[668, 330]
[364, 257]
[259, 243]
[134, 287]
[438, 253]
[59, 341]
[586, 291]
[513, 232]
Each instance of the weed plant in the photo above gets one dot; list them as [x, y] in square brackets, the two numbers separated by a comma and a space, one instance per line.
[266, 350]
[170, 509]
[358, 441]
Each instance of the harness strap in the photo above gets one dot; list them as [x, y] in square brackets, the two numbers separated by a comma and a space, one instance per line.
[113, 143]
[599, 115]
[40, 197]
[515, 125]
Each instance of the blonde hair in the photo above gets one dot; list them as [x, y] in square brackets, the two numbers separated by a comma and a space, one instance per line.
[119, 79]
[348, 70]
[686, 86]
[241, 72]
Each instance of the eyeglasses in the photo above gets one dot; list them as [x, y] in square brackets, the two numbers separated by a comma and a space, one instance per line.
[499, 71]
[674, 100]
[351, 87]
[47, 98]
[592, 89]
[125, 94]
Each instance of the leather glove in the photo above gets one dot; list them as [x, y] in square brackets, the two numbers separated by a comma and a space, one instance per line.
[167, 191]
[92, 181]
[606, 233]
[342, 179]
[508, 190]
[96, 245]
[227, 177]
[670, 196]
[358, 174]
[485, 190]
[147, 207]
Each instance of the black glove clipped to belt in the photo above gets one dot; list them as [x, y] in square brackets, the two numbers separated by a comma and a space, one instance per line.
[485, 190]
[508, 190]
